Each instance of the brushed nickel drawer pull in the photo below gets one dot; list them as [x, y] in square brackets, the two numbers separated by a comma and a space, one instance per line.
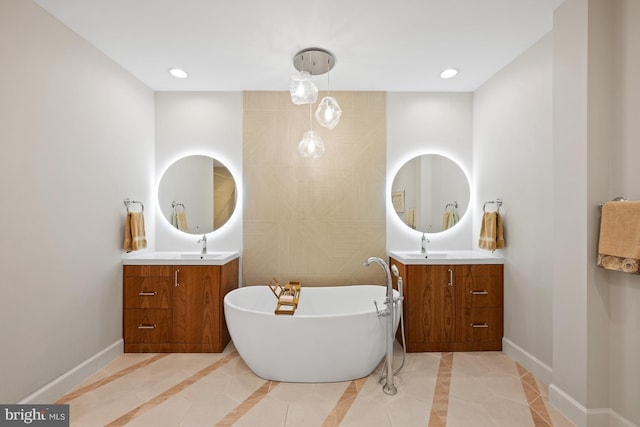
[147, 294]
[175, 279]
[450, 277]
[479, 292]
[141, 326]
[479, 325]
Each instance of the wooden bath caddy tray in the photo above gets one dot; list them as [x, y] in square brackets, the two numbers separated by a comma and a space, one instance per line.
[287, 296]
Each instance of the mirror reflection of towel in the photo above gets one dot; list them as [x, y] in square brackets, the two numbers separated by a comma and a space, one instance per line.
[411, 217]
[179, 220]
[491, 232]
[134, 234]
[449, 219]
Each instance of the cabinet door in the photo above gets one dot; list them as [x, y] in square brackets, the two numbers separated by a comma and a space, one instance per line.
[430, 304]
[196, 299]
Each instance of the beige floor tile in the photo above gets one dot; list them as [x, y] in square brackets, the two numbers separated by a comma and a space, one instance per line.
[465, 414]
[485, 390]
[171, 412]
[507, 413]
[102, 406]
[268, 412]
[557, 418]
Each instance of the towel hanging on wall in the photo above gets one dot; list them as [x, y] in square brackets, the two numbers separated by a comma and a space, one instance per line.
[491, 232]
[134, 234]
[619, 243]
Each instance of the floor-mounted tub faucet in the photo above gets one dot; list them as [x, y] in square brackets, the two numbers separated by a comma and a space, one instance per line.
[388, 312]
[204, 243]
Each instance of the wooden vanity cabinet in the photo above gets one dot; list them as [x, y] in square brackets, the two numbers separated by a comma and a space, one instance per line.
[176, 308]
[452, 307]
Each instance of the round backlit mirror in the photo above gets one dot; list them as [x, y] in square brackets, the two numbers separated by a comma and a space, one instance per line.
[430, 193]
[197, 194]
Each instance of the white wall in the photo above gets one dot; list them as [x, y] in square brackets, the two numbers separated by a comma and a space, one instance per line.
[429, 123]
[624, 289]
[512, 160]
[208, 123]
[77, 138]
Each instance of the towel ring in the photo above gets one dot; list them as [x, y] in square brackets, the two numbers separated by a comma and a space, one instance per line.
[454, 204]
[617, 199]
[175, 205]
[497, 202]
[128, 202]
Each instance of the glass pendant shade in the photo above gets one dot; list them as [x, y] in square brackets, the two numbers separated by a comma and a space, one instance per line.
[328, 112]
[311, 145]
[302, 89]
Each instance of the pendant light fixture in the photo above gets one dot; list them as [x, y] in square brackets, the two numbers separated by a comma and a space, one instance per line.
[329, 111]
[311, 145]
[302, 88]
[312, 62]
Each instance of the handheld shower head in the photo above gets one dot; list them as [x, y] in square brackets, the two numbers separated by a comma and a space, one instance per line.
[395, 271]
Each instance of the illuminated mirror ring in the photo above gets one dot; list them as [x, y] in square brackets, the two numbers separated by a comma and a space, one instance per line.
[430, 193]
[197, 194]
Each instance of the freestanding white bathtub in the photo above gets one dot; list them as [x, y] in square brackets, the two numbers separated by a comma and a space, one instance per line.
[334, 335]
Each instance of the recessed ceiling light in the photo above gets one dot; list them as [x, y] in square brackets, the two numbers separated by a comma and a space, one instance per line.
[448, 73]
[178, 73]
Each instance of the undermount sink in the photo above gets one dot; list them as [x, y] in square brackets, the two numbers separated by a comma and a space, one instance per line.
[182, 258]
[448, 257]
[419, 255]
[200, 256]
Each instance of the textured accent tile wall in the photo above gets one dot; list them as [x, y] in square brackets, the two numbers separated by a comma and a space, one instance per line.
[315, 221]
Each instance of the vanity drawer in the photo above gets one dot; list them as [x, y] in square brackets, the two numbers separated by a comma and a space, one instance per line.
[147, 271]
[479, 286]
[479, 325]
[147, 292]
[147, 326]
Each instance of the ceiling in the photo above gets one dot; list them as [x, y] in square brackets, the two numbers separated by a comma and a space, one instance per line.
[237, 45]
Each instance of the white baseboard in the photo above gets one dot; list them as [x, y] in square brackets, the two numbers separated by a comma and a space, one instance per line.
[575, 411]
[534, 365]
[70, 379]
[617, 421]
[582, 417]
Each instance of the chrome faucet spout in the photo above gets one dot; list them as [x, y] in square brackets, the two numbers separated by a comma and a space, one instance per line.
[204, 243]
[423, 243]
[387, 272]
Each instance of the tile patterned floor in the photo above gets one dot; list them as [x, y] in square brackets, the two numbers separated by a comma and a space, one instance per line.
[434, 389]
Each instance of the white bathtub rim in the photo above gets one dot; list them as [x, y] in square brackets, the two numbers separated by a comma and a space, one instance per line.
[268, 313]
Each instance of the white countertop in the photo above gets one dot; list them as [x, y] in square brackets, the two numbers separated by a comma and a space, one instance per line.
[182, 258]
[446, 257]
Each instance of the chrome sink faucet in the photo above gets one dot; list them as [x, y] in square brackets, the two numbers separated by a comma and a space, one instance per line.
[204, 243]
[423, 246]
